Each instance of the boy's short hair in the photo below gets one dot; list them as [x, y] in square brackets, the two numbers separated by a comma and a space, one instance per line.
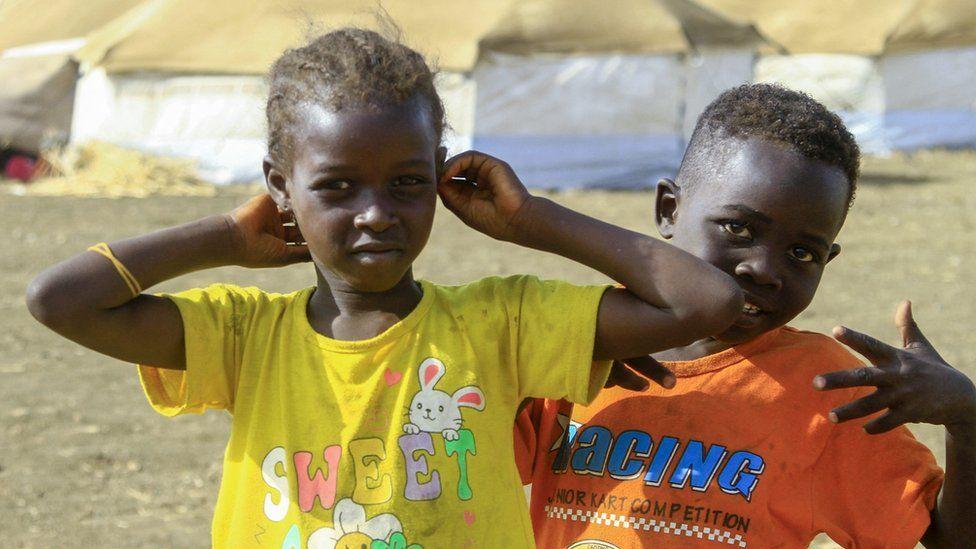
[778, 114]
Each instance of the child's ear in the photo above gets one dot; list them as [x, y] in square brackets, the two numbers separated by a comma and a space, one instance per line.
[834, 252]
[666, 207]
[277, 184]
[440, 157]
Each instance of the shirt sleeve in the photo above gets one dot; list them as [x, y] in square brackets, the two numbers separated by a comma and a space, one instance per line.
[214, 322]
[874, 490]
[556, 335]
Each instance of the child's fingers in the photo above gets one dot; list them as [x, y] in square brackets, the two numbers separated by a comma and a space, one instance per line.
[463, 165]
[876, 351]
[473, 166]
[857, 377]
[452, 192]
[864, 406]
[293, 235]
[888, 421]
[653, 370]
[625, 378]
[297, 254]
[911, 334]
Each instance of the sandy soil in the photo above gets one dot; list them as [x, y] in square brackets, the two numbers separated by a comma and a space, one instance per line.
[84, 462]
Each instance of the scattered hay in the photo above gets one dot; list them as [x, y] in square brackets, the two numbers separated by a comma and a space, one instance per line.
[105, 170]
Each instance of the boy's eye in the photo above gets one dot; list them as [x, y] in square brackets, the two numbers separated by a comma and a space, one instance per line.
[737, 229]
[802, 254]
[408, 180]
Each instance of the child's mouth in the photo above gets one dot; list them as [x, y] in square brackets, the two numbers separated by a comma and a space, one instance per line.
[376, 252]
[751, 309]
[372, 257]
[751, 316]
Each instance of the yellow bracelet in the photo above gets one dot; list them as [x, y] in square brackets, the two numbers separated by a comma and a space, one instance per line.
[130, 281]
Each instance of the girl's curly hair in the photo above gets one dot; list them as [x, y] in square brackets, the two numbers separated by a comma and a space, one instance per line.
[346, 68]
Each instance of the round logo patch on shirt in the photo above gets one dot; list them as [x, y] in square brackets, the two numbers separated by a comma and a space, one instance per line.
[592, 544]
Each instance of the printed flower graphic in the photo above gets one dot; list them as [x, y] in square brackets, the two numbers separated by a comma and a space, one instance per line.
[351, 529]
[397, 541]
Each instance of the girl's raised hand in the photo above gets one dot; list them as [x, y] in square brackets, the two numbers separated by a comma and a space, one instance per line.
[484, 193]
[265, 236]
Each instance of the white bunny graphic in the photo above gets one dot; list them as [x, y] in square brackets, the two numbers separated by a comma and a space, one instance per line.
[434, 411]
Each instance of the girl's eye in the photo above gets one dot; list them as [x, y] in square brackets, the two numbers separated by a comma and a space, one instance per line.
[335, 185]
[802, 254]
[737, 229]
[440, 408]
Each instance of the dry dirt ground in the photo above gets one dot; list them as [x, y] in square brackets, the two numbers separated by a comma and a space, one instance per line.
[84, 462]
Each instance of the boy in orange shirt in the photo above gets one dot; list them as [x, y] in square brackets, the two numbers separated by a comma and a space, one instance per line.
[743, 451]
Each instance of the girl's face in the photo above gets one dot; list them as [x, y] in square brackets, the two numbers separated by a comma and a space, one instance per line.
[363, 189]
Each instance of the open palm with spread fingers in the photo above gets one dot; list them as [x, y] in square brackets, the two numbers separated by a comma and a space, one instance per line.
[914, 383]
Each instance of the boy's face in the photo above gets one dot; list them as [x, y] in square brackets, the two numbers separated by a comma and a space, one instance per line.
[363, 190]
[769, 219]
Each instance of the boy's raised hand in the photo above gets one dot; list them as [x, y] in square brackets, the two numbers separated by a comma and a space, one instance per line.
[483, 192]
[914, 383]
[261, 237]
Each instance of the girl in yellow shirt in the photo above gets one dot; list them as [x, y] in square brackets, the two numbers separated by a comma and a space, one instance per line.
[372, 409]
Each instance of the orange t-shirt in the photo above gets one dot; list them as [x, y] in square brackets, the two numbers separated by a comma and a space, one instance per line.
[740, 453]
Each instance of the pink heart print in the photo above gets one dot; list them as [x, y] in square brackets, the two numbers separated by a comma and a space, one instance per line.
[468, 517]
[391, 377]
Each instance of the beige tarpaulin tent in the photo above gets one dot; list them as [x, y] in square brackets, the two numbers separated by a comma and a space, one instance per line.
[866, 27]
[30, 22]
[622, 26]
[36, 68]
[35, 100]
[186, 78]
[596, 93]
[931, 24]
[41, 40]
[245, 36]
[181, 77]
[902, 72]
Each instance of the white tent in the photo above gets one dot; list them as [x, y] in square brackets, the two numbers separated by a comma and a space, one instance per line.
[37, 69]
[902, 73]
[581, 93]
[572, 94]
[185, 78]
[601, 94]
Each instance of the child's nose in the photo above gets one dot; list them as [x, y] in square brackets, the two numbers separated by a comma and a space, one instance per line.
[375, 216]
[761, 270]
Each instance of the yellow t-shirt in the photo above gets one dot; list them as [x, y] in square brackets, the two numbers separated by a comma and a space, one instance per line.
[403, 440]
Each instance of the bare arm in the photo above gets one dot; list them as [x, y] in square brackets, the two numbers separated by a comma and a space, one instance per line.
[954, 518]
[85, 300]
[672, 297]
